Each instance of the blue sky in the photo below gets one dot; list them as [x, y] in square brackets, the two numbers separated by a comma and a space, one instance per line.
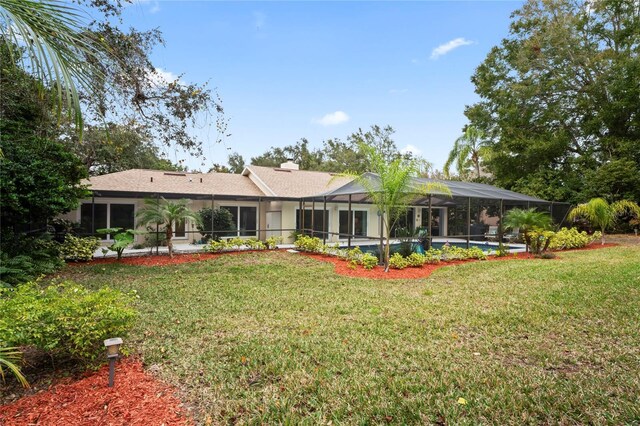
[287, 70]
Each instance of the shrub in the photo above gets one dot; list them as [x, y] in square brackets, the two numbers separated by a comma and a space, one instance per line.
[217, 246]
[65, 319]
[572, 238]
[254, 244]
[122, 238]
[369, 261]
[453, 253]
[309, 244]
[25, 258]
[416, 260]
[272, 242]
[476, 253]
[433, 255]
[396, 261]
[539, 241]
[354, 254]
[78, 249]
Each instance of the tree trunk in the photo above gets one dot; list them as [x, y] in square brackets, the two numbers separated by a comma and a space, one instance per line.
[169, 232]
[387, 250]
[602, 238]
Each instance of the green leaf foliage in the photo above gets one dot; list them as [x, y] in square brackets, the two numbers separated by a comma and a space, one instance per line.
[65, 319]
[78, 249]
[559, 101]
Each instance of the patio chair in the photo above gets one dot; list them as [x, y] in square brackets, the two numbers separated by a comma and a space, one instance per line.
[492, 233]
[512, 236]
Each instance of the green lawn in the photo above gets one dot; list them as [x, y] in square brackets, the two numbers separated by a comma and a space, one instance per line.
[279, 338]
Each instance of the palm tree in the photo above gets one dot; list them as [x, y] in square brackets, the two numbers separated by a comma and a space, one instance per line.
[602, 215]
[9, 359]
[166, 213]
[466, 152]
[56, 46]
[527, 220]
[392, 188]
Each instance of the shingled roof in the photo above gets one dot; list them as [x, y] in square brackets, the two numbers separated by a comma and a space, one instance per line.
[288, 183]
[163, 182]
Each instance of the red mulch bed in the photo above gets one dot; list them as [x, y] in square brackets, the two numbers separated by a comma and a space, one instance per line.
[342, 266]
[151, 260]
[136, 399]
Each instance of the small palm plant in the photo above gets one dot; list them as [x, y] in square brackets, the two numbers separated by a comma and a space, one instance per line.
[393, 188]
[528, 220]
[166, 213]
[9, 359]
[602, 215]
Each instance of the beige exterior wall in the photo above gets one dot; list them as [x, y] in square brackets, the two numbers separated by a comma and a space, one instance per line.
[288, 211]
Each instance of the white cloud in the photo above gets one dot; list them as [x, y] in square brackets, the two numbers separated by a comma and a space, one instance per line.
[447, 47]
[333, 118]
[398, 91]
[155, 8]
[162, 77]
[411, 149]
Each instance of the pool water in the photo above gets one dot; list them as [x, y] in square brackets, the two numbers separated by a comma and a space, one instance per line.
[418, 248]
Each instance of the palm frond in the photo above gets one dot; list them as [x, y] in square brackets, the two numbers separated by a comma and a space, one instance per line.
[56, 47]
[10, 357]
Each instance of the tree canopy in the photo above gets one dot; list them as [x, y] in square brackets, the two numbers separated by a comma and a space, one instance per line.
[560, 101]
[341, 156]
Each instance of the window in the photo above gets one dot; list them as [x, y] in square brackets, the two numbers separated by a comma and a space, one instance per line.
[358, 223]
[179, 229]
[121, 216]
[317, 220]
[435, 221]
[245, 219]
[405, 222]
[106, 216]
[87, 212]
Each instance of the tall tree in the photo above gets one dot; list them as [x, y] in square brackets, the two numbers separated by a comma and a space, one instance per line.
[560, 99]
[236, 163]
[39, 177]
[466, 153]
[307, 159]
[119, 148]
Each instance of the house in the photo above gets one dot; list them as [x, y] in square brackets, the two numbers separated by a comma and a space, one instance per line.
[268, 201]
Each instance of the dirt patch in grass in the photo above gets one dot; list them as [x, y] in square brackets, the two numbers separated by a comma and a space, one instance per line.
[136, 399]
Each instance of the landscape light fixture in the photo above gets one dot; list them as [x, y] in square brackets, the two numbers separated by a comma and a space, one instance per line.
[113, 352]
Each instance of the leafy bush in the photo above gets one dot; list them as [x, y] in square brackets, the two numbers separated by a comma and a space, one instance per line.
[272, 242]
[416, 260]
[78, 249]
[433, 255]
[309, 244]
[217, 246]
[453, 253]
[65, 319]
[222, 221]
[122, 238]
[396, 261]
[354, 254]
[572, 238]
[369, 261]
[25, 258]
[254, 244]
[476, 253]
[539, 241]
